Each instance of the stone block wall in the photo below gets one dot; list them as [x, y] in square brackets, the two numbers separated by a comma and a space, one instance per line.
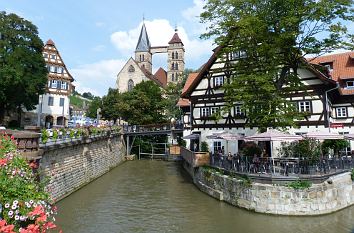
[334, 194]
[71, 165]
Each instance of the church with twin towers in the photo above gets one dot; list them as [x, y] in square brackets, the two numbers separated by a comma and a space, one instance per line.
[139, 69]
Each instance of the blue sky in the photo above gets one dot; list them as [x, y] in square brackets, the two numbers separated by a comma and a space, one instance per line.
[95, 38]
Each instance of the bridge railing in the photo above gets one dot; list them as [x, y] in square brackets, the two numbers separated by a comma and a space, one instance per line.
[151, 128]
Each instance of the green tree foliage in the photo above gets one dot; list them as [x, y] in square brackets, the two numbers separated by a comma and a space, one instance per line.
[306, 148]
[109, 101]
[88, 95]
[335, 145]
[272, 37]
[93, 106]
[23, 74]
[143, 105]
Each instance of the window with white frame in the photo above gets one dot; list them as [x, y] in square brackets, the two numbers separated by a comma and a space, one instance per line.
[350, 84]
[217, 146]
[238, 110]
[61, 102]
[341, 111]
[53, 69]
[204, 112]
[304, 106]
[53, 56]
[54, 84]
[60, 70]
[214, 110]
[45, 55]
[218, 81]
[347, 150]
[50, 101]
[64, 85]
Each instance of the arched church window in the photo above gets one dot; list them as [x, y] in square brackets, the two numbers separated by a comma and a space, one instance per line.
[173, 66]
[173, 77]
[176, 55]
[173, 55]
[131, 69]
[130, 85]
[176, 66]
[176, 78]
[143, 58]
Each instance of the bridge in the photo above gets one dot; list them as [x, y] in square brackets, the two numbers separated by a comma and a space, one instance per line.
[131, 131]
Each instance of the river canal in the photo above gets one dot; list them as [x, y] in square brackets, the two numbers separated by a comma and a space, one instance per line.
[156, 196]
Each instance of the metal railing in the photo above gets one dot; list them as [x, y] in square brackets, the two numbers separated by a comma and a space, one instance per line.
[283, 166]
[151, 128]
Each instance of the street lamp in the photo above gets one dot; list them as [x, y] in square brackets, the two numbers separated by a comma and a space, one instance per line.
[39, 110]
[327, 106]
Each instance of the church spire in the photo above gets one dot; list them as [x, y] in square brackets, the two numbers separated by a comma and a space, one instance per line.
[143, 42]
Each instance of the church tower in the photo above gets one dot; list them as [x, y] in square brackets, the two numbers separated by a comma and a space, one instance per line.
[175, 59]
[143, 54]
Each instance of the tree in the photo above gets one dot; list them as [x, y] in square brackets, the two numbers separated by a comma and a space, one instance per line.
[109, 101]
[336, 145]
[23, 72]
[270, 39]
[88, 95]
[143, 105]
[95, 104]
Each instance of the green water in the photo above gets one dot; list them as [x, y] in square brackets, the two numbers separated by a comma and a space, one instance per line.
[156, 196]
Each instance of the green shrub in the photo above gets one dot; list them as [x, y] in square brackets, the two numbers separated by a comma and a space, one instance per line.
[204, 147]
[251, 149]
[352, 174]
[44, 136]
[299, 184]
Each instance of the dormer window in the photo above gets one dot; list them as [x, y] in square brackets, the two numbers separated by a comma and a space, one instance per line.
[328, 65]
[350, 84]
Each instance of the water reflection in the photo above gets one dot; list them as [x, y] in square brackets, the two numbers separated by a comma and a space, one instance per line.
[155, 196]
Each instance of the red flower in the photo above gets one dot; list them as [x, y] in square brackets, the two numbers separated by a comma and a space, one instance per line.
[50, 225]
[3, 162]
[41, 219]
[37, 211]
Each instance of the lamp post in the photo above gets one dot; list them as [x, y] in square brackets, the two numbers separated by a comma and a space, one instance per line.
[39, 110]
[327, 106]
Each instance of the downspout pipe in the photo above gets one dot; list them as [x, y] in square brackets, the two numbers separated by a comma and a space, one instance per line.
[327, 105]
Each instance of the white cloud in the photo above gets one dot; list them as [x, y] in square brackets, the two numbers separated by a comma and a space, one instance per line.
[192, 13]
[97, 77]
[160, 32]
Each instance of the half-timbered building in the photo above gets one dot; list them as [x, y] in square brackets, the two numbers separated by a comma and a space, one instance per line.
[325, 106]
[53, 108]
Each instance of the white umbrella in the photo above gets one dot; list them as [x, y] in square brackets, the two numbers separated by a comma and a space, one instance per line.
[323, 135]
[273, 135]
[349, 136]
[231, 137]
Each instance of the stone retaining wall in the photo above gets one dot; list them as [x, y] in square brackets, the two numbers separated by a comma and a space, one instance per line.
[334, 194]
[71, 165]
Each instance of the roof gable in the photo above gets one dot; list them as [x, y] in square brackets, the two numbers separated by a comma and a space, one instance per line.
[143, 44]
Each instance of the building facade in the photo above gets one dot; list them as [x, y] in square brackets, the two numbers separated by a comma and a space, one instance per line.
[53, 107]
[140, 69]
[325, 105]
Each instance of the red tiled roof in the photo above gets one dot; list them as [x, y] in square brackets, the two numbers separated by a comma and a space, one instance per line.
[190, 80]
[183, 102]
[161, 75]
[343, 64]
[175, 39]
[50, 42]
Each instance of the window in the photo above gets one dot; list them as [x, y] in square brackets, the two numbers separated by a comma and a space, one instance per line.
[53, 69]
[347, 150]
[204, 112]
[64, 85]
[173, 77]
[130, 85]
[218, 81]
[176, 77]
[304, 106]
[50, 101]
[329, 66]
[45, 55]
[60, 70]
[341, 112]
[173, 55]
[238, 110]
[61, 102]
[176, 55]
[350, 84]
[131, 69]
[54, 84]
[176, 66]
[53, 56]
[214, 110]
[217, 146]
[173, 66]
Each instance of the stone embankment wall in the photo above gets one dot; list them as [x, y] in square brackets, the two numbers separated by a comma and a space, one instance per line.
[71, 165]
[334, 194]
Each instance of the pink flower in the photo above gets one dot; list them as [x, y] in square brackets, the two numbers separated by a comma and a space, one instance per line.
[3, 162]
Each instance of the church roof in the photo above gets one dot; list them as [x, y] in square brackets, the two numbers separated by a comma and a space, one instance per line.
[143, 42]
[175, 39]
[161, 75]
